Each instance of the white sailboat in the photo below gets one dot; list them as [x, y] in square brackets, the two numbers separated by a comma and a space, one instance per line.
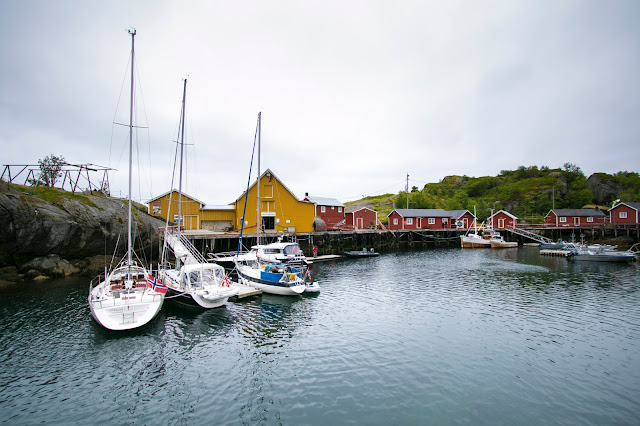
[192, 281]
[128, 296]
[275, 278]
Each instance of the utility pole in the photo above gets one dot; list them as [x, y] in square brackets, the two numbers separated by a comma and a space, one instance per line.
[407, 190]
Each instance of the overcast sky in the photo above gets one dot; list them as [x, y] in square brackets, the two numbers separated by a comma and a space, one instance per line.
[354, 94]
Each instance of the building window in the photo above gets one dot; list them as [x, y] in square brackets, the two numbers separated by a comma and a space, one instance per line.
[339, 209]
[432, 221]
[323, 209]
[563, 219]
[409, 221]
[589, 219]
[395, 220]
[622, 215]
[268, 191]
[157, 209]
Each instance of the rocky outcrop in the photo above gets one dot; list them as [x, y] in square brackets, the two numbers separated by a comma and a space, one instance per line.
[604, 187]
[54, 238]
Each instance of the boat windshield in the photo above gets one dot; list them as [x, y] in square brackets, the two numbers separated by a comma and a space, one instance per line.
[292, 249]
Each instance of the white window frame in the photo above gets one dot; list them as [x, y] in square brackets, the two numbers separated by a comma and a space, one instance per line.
[589, 219]
[622, 215]
[432, 221]
[563, 219]
[339, 209]
[323, 209]
[409, 221]
[395, 220]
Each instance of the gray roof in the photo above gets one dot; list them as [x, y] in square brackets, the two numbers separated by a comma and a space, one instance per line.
[634, 205]
[455, 214]
[578, 212]
[324, 201]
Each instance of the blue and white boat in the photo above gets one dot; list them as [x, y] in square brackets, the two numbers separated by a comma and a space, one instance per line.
[273, 278]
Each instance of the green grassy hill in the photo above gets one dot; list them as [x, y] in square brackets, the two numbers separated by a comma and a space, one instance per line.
[527, 192]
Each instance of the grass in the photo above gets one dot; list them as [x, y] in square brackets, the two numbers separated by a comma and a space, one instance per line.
[52, 195]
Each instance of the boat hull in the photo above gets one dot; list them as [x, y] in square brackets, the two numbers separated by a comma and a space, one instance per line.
[473, 242]
[131, 310]
[248, 277]
[617, 257]
[207, 296]
[503, 244]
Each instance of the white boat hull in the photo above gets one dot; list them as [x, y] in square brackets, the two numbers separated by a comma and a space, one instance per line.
[472, 241]
[128, 310]
[503, 244]
[207, 296]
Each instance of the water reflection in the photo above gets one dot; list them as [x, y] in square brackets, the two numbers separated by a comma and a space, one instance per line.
[449, 335]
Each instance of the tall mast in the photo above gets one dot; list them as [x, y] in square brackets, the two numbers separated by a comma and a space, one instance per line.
[258, 218]
[184, 111]
[133, 35]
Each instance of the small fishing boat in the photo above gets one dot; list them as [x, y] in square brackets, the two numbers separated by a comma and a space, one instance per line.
[600, 254]
[362, 253]
[128, 296]
[475, 239]
[498, 241]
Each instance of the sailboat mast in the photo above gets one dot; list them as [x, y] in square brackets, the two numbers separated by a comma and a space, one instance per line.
[133, 35]
[258, 218]
[184, 111]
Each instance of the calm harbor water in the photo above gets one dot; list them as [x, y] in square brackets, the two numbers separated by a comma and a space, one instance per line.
[432, 337]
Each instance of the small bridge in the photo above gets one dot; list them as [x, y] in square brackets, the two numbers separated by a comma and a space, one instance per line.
[528, 234]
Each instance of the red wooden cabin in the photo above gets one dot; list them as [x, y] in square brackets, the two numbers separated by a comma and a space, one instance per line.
[625, 214]
[575, 218]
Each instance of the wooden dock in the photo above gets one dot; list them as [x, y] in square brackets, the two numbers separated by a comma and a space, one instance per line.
[245, 291]
[323, 258]
[563, 253]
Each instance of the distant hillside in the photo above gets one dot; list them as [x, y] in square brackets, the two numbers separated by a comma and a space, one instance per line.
[527, 192]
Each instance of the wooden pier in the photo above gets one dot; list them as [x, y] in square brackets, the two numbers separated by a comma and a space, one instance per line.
[245, 291]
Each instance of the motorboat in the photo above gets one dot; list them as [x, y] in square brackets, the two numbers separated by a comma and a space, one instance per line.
[277, 252]
[128, 296]
[498, 241]
[600, 254]
[362, 253]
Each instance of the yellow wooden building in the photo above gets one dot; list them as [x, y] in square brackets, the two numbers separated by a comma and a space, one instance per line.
[281, 210]
[195, 213]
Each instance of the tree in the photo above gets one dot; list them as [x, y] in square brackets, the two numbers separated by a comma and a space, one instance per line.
[50, 170]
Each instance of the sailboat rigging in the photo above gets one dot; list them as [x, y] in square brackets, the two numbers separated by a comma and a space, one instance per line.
[192, 281]
[128, 296]
[271, 277]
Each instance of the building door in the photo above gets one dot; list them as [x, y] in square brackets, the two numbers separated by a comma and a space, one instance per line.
[268, 223]
[576, 221]
[359, 223]
[501, 223]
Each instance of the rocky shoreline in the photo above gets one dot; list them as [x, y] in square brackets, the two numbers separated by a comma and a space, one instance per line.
[60, 234]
